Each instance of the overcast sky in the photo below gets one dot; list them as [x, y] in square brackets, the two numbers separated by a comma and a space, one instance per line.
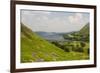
[54, 21]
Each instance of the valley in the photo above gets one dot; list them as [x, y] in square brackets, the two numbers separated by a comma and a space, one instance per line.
[43, 46]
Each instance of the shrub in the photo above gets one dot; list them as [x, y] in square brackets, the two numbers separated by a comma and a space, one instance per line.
[82, 44]
[80, 49]
[67, 48]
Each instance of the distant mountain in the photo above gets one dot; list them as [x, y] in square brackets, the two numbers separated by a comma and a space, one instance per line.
[36, 49]
[51, 35]
[82, 34]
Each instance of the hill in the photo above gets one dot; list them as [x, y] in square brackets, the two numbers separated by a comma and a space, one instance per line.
[85, 30]
[36, 49]
[81, 35]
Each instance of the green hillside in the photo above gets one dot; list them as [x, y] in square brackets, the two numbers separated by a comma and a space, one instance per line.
[81, 35]
[36, 49]
[85, 30]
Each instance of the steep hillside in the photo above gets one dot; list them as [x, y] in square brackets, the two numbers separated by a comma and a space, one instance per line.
[34, 48]
[85, 30]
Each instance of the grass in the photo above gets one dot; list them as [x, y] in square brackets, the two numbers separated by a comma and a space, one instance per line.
[36, 49]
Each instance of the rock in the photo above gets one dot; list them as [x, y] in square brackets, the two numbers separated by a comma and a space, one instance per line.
[40, 60]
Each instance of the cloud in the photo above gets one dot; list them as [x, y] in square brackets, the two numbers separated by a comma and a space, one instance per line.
[76, 18]
[51, 21]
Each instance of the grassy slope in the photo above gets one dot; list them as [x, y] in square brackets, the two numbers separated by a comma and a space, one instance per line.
[85, 30]
[34, 48]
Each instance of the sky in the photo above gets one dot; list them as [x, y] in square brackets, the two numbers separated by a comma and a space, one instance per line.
[54, 21]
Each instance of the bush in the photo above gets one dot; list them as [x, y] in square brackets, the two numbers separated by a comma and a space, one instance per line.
[67, 48]
[57, 44]
[88, 51]
[82, 44]
[77, 48]
[80, 49]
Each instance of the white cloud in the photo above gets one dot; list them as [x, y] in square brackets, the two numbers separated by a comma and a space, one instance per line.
[76, 18]
[54, 22]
